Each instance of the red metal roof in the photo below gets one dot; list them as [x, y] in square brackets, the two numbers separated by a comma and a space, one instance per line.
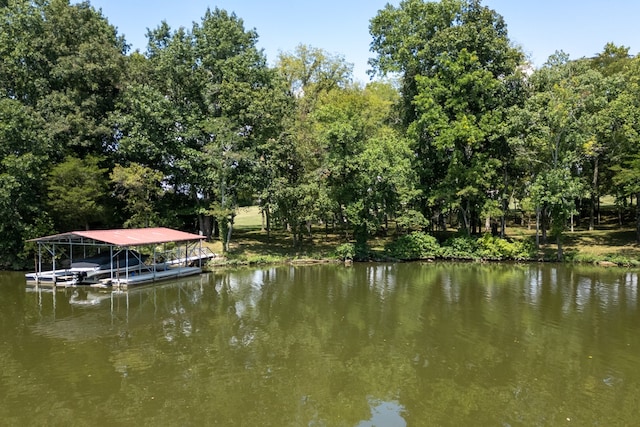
[126, 236]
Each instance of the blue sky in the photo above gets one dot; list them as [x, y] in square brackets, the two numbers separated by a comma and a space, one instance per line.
[580, 28]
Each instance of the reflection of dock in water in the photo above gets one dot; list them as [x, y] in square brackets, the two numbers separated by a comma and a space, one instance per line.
[83, 313]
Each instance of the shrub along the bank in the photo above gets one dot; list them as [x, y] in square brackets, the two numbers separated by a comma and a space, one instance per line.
[352, 252]
[492, 247]
[419, 245]
[345, 252]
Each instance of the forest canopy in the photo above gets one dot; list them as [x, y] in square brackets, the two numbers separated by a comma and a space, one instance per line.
[459, 130]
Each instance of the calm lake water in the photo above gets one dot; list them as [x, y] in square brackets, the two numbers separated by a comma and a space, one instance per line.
[328, 345]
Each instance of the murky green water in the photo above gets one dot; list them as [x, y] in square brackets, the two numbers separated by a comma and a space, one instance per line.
[372, 344]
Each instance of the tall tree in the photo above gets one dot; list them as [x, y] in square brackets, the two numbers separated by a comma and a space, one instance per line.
[87, 61]
[199, 117]
[459, 74]
[625, 157]
[367, 162]
[552, 132]
[606, 118]
[65, 61]
[60, 70]
[24, 159]
[296, 193]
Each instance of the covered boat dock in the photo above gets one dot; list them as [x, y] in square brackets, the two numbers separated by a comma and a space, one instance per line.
[117, 257]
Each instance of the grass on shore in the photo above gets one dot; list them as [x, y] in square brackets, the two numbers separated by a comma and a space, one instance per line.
[608, 243]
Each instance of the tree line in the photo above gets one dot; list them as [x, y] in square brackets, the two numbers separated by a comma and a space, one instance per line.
[457, 129]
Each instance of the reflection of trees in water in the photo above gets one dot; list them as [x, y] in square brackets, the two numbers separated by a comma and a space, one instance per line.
[448, 343]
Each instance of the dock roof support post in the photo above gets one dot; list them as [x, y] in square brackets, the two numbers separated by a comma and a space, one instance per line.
[126, 263]
[39, 263]
[111, 262]
[155, 263]
[53, 255]
[186, 254]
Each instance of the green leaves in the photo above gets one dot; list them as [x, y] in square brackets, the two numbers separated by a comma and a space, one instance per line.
[627, 175]
[139, 187]
[418, 245]
[459, 72]
[200, 124]
[77, 188]
[414, 246]
[200, 110]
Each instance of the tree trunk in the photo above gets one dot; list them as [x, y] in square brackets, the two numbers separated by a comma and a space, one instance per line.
[543, 224]
[268, 220]
[505, 205]
[465, 218]
[638, 219]
[451, 219]
[594, 195]
[619, 216]
[503, 218]
[205, 225]
[465, 222]
[537, 227]
[215, 229]
[592, 213]
[572, 228]
[475, 222]
[228, 239]
[560, 252]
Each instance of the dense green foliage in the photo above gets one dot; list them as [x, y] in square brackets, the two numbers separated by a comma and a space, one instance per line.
[419, 245]
[198, 125]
